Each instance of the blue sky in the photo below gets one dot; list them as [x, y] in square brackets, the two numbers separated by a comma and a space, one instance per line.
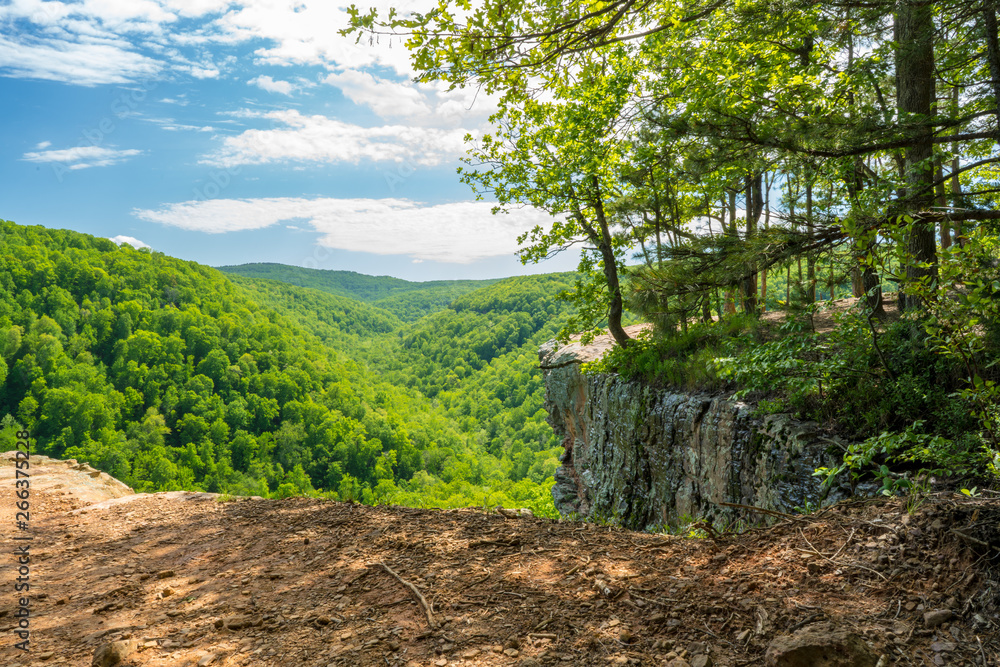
[228, 132]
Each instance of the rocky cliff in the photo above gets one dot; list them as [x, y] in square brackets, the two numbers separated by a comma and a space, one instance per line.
[646, 457]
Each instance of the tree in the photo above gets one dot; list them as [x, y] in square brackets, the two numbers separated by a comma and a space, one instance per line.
[764, 82]
[563, 155]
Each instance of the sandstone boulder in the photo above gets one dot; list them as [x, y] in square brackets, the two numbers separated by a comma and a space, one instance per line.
[820, 645]
[114, 653]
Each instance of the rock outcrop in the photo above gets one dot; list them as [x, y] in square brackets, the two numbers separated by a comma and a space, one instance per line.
[645, 457]
[820, 645]
[75, 481]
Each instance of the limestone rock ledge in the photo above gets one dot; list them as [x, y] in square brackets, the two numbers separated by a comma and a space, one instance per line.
[647, 458]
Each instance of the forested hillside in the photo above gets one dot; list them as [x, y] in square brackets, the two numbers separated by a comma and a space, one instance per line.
[407, 300]
[169, 375]
[476, 358]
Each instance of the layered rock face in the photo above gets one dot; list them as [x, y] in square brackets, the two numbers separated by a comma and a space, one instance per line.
[648, 458]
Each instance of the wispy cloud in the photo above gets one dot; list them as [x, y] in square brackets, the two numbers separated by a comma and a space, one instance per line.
[109, 42]
[301, 138]
[308, 36]
[98, 42]
[424, 104]
[460, 232]
[270, 85]
[388, 99]
[70, 62]
[204, 72]
[82, 157]
[172, 125]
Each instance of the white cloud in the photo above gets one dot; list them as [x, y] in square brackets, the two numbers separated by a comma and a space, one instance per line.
[388, 99]
[82, 157]
[42, 145]
[461, 232]
[204, 72]
[308, 35]
[172, 125]
[426, 104]
[272, 86]
[95, 42]
[323, 139]
[132, 241]
[69, 62]
[101, 42]
[195, 8]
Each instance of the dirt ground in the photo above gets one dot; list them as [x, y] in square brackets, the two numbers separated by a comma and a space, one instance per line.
[823, 320]
[193, 580]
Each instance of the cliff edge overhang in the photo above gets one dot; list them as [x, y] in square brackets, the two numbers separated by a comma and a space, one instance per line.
[648, 458]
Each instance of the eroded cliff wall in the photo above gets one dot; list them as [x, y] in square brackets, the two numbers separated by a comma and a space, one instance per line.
[646, 458]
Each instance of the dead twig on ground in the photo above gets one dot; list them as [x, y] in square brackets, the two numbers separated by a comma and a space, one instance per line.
[841, 563]
[972, 539]
[844, 545]
[416, 591]
[489, 575]
[761, 510]
[806, 621]
[666, 602]
[708, 528]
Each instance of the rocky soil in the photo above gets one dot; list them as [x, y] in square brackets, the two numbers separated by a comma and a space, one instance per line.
[188, 579]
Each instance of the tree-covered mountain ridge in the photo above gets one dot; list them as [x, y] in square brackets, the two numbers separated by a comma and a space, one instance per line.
[405, 299]
[171, 375]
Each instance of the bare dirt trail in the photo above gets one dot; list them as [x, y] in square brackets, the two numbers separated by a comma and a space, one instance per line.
[189, 580]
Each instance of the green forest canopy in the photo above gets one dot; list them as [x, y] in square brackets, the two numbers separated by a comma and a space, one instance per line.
[170, 375]
[407, 300]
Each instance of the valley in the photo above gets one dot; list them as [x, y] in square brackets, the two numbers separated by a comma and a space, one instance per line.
[170, 375]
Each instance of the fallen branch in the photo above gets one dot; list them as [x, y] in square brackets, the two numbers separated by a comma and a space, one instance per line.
[416, 591]
[708, 528]
[806, 621]
[972, 539]
[666, 602]
[841, 563]
[517, 595]
[761, 510]
[844, 545]
[488, 576]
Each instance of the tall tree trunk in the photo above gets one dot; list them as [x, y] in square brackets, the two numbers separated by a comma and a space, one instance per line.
[956, 185]
[603, 241]
[942, 202]
[754, 207]
[915, 98]
[767, 225]
[732, 231]
[658, 219]
[993, 55]
[788, 286]
[811, 259]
